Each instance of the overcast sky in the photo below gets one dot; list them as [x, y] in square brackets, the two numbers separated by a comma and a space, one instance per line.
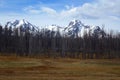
[61, 12]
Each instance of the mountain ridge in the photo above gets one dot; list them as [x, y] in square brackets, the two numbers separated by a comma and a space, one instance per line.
[75, 28]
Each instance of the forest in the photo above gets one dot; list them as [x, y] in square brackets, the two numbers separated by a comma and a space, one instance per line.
[44, 44]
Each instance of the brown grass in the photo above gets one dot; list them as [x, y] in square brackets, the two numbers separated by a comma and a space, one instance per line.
[21, 68]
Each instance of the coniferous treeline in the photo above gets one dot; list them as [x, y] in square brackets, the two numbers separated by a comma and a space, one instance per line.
[46, 43]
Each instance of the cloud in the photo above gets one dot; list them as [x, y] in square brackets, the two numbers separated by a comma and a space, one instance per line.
[31, 9]
[68, 7]
[48, 10]
[40, 10]
[99, 9]
[96, 10]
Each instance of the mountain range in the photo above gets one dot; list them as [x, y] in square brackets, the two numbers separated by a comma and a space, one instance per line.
[75, 28]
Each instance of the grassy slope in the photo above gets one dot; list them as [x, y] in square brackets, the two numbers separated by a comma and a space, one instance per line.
[12, 68]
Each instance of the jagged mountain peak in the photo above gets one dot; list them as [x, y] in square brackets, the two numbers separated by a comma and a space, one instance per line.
[53, 26]
[20, 22]
[76, 28]
[54, 29]
[75, 23]
[23, 24]
[16, 22]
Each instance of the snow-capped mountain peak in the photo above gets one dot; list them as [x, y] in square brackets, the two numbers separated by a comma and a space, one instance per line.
[20, 22]
[76, 29]
[75, 23]
[23, 24]
[53, 27]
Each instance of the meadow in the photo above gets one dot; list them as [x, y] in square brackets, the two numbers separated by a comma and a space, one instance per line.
[24, 68]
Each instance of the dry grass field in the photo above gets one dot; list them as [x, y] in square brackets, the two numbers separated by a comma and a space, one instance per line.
[20, 68]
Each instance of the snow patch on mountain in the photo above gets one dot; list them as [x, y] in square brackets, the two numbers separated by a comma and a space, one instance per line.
[54, 29]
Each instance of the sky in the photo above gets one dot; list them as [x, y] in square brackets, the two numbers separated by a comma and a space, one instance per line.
[61, 12]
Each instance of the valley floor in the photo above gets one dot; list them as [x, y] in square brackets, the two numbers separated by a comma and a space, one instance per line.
[21, 68]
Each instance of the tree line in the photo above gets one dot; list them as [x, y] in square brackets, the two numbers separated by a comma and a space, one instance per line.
[45, 43]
